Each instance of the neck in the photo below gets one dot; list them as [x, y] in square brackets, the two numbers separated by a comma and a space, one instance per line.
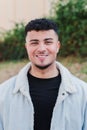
[49, 72]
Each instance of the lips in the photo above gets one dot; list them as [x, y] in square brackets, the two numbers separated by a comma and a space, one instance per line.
[41, 57]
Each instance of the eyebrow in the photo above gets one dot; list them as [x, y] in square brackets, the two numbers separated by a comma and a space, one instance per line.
[48, 39]
[38, 40]
[33, 40]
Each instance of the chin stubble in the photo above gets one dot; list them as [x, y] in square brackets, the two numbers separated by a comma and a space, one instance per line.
[43, 67]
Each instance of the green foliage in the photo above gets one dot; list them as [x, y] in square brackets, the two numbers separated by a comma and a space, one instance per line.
[12, 47]
[71, 18]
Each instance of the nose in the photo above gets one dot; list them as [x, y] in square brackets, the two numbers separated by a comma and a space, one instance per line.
[41, 47]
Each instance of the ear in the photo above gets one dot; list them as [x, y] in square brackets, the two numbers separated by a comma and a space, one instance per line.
[26, 45]
[58, 46]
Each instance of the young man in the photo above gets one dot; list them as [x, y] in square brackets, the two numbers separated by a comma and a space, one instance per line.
[44, 95]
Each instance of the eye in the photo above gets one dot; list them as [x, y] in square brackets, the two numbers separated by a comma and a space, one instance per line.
[34, 43]
[48, 42]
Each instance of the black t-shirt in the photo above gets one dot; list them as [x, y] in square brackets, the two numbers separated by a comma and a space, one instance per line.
[43, 93]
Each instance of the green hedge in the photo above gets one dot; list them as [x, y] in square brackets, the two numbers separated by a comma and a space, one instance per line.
[71, 18]
[13, 45]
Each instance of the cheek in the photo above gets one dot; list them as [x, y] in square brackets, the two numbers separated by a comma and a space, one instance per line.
[28, 49]
[54, 49]
[30, 53]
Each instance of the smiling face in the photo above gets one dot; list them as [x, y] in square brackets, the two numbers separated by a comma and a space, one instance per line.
[42, 47]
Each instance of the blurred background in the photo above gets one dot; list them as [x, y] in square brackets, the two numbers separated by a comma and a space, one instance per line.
[71, 19]
[12, 11]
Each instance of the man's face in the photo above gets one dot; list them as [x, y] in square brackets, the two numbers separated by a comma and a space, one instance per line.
[42, 47]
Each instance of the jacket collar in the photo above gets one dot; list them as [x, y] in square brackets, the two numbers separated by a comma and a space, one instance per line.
[66, 77]
[21, 80]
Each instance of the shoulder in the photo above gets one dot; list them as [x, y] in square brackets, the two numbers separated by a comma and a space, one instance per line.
[80, 87]
[8, 82]
[7, 86]
[68, 75]
[71, 80]
[6, 94]
[79, 81]
[80, 84]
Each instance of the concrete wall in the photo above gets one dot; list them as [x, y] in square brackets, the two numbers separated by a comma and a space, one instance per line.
[12, 11]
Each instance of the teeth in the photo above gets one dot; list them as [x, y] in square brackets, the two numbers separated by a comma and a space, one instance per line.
[41, 55]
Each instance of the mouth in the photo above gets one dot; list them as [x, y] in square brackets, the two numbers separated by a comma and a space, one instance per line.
[41, 57]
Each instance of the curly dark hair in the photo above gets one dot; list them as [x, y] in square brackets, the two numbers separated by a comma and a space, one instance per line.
[41, 24]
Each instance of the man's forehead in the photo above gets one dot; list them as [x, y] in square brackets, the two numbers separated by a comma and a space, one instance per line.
[45, 39]
[42, 33]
